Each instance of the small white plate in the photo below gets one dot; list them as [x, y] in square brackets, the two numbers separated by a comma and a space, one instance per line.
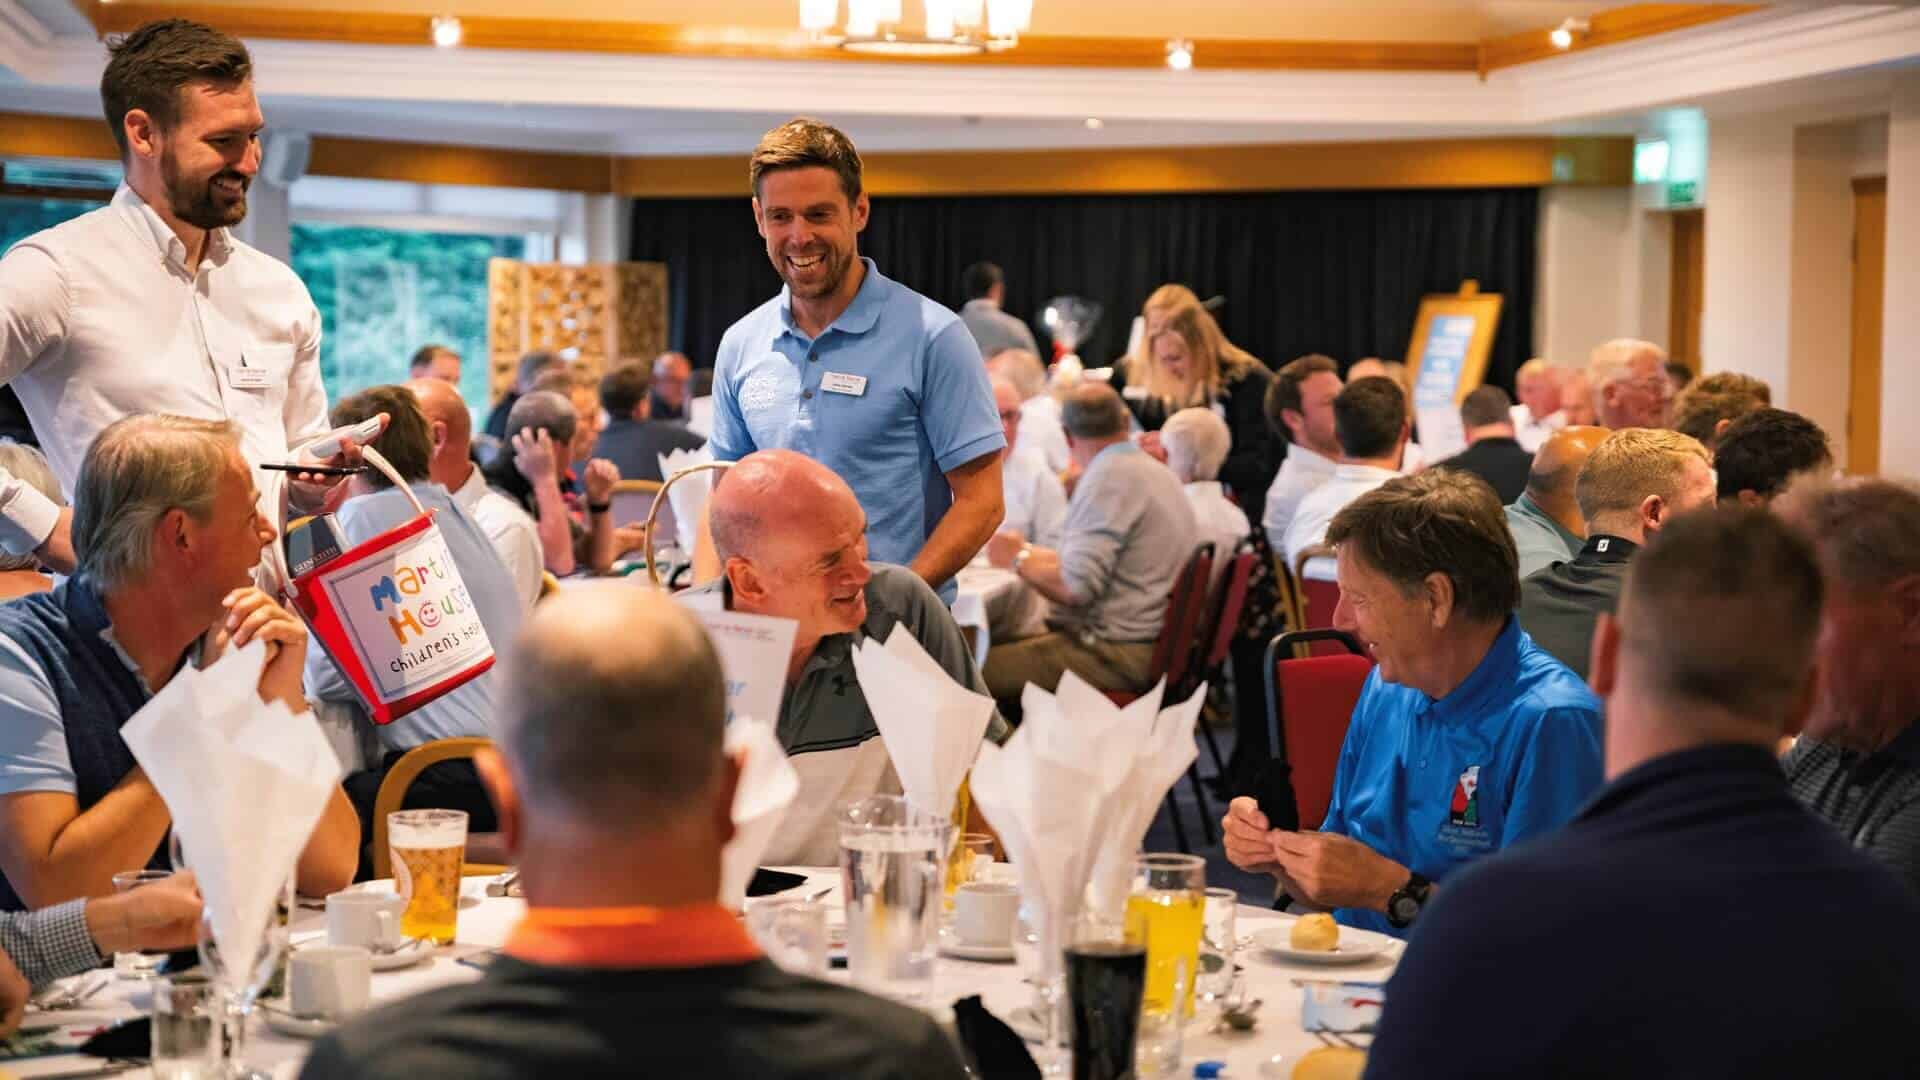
[404, 957]
[960, 950]
[1355, 947]
[284, 1022]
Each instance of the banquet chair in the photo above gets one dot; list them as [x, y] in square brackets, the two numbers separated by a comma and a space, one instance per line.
[393, 794]
[1309, 705]
[1214, 640]
[1318, 598]
[1172, 654]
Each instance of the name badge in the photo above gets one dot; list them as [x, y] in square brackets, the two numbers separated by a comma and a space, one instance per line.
[835, 383]
[248, 378]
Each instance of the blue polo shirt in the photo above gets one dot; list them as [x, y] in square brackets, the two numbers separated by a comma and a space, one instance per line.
[892, 396]
[1512, 752]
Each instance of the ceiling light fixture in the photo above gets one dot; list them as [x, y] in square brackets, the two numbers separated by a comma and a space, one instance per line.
[1094, 123]
[446, 31]
[948, 28]
[1567, 32]
[1179, 54]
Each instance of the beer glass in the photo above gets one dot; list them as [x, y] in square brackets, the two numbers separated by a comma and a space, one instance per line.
[428, 850]
[1167, 907]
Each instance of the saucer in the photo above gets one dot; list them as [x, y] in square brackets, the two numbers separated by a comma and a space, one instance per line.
[960, 950]
[403, 957]
[285, 1023]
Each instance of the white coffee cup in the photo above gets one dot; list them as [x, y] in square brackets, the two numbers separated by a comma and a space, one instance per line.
[329, 982]
[370, 920]
[983, 913]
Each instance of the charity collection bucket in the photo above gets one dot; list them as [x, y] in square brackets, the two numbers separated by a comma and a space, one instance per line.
[394, 614]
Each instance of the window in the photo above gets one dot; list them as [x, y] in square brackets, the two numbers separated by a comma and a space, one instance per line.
[382, 293]
[22, 216]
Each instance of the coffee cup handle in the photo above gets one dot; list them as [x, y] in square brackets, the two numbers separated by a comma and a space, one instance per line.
[389, 927]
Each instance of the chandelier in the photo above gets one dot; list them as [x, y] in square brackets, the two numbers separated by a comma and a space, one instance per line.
[951, 27]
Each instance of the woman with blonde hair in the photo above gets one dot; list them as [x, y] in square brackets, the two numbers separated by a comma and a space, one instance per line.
[1186, 362]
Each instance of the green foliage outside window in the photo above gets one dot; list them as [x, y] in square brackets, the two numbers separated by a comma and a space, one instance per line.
[22, 216]
[382, 293]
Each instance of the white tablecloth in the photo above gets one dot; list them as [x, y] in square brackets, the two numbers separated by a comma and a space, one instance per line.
[486, 921]
[994, 601]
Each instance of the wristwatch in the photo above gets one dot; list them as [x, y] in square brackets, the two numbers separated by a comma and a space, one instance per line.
[1020, 560]
[1405, 903]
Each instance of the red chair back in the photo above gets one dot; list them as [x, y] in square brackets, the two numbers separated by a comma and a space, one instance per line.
[1310, 702]
[1173, 651]
[1229, 602]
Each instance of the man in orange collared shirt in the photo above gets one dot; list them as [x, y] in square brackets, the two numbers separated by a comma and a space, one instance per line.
[615, 797]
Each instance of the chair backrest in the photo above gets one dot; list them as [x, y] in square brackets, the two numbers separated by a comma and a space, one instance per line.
[1222, 623]
[393, 793]
[1318, 598]
[633, 499]
[1309, 705]
[1174, 651]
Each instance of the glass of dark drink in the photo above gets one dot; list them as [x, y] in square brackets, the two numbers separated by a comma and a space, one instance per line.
[1106, 981]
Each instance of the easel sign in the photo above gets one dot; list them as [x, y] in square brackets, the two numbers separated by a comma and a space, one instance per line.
[1448, 360]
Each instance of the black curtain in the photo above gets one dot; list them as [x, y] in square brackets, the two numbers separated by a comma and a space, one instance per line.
[1340, 273]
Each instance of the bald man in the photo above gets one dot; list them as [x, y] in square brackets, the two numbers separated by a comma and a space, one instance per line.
[792, 542]
[1545, 520]
[510, 529]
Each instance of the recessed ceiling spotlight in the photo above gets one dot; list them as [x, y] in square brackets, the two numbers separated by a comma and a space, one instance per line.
[1094, 123]
[446, 31]
[1179, 54]
[1563, 35]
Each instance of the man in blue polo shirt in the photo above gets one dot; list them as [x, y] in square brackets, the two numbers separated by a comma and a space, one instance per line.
[876, 382]
[1467, 737]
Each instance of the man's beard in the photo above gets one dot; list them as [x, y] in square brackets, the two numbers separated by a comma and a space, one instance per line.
[196, 204]
[837, 263]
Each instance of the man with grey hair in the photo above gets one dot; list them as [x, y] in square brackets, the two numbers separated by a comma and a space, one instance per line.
[1538, 413]
[1197, 442]
[1857, 764]
[792, 541]
[1036, 504]
[1629, 384]
[667, 391]
[1039, 413]
[532, 366]
[508, 526]
[167, 529]
[617, 827]
[533, 471]
[1129, 534]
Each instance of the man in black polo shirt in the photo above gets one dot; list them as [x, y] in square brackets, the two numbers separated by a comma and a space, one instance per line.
[1693, 921]
[1630, 488]
[615, 797]
[1493, 453]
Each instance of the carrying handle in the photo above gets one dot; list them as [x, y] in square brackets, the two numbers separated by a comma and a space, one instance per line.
[653, 574]
[373, 457]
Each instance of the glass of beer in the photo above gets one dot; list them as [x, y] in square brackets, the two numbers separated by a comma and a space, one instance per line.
[1167, 908]
[428, 849]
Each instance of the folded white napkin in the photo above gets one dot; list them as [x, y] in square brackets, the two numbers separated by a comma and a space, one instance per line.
[689, 496]
[767, 787]
[1046, 791]
[1158, 762]
[932, 725]
[246, 782]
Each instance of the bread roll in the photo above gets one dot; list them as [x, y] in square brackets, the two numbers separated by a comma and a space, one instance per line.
[1331, 1063]
[1315, 933]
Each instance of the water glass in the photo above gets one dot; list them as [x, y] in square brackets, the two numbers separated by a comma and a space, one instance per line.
[1166, 907]
[1217, 945]
[892, 861]
[793, 932]
[972, 853]
[138, 965]
[187, 1010]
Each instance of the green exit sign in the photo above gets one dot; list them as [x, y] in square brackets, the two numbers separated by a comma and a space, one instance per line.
[1683, 193]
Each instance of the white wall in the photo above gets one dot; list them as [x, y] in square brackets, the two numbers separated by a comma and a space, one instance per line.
[1748, 290]
[1820, 317]
[1900, 343]
[1587, 271]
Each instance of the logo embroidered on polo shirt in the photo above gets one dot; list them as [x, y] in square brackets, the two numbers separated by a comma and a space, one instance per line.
[1465, 809]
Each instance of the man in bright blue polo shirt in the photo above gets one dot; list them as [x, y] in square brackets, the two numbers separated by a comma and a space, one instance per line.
[866, 376]
[1467, 737]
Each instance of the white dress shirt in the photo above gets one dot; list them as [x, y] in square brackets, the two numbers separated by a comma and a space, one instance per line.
[1040, 430]
[1301, 472]
[1036, 502]
[511, 530]
[1318, 509]
[1531, 432]
[1220, 521]
[100, 318]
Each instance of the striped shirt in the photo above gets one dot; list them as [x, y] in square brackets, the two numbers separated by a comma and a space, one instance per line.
[1873, 799]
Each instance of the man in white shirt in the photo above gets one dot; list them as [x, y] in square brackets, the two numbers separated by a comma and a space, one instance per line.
[512, 531]
[1370, 421]
[1040, 427]
[1036, 504]
[1538, 414]
[1197, 442]
[1300, 407]
[150, 304]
